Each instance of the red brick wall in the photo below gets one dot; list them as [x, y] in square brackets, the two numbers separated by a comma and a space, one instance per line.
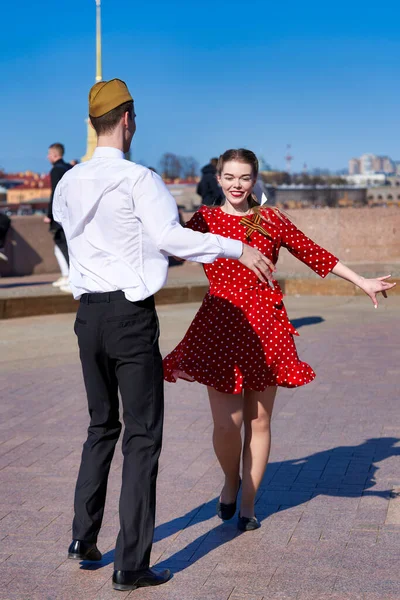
[353, 234]
[29, 247]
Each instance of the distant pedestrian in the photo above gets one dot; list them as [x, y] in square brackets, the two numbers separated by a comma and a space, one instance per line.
[5, 224]
[208, 188]
[55, 156]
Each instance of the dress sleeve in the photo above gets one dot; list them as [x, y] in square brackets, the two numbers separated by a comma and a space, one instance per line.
[197, 222]
[302, 247]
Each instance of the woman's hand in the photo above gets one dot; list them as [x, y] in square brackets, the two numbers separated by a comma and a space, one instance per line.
[370, 286]
[375, 286]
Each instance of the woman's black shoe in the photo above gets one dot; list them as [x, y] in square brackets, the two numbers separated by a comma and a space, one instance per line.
[227, 511]
[248, 524]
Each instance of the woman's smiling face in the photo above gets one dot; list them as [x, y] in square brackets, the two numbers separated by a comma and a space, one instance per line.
[237, 181]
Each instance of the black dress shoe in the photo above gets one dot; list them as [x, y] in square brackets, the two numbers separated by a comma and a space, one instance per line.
[130, 580]
[79, 550]
[227, 511]
[248, 523]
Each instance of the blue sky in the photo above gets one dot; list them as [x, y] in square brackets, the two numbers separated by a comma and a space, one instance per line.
[323, 77]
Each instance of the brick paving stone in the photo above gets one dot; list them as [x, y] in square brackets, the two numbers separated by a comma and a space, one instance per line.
[166, 592]
[284, 595]
[309, 595]
[213, 593]
[107, 593]
[378, 596]
[239, 594]
[323, 503]
[369, 585]
[348, 596]
[249, 578]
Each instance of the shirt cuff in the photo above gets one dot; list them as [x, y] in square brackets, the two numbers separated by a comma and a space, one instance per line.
[232, 248]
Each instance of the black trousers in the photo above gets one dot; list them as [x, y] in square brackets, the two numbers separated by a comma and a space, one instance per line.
[118, 344]
[61, 241]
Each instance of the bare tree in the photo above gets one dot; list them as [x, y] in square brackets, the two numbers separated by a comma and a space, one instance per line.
[276, 177]
[190, 166]
[170, 166]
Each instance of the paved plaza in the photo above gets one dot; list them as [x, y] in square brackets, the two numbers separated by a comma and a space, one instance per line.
[329, 502]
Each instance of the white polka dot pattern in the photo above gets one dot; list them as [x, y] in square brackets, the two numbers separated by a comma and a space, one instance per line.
[241, 336]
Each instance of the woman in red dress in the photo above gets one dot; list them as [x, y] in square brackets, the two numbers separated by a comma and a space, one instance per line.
[240, 343]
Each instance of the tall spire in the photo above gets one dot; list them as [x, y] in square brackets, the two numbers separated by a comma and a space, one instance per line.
[91, 134]
[99, 75]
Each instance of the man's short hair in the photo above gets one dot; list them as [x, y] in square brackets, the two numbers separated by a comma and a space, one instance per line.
[59, 147]
[108, 122]
[214, 161]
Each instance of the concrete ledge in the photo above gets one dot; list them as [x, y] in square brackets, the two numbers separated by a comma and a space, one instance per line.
[57, 303]
[33, 306]
[330, 287]
[181, 293]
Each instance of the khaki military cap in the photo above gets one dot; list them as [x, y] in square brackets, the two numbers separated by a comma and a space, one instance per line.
[106, 95]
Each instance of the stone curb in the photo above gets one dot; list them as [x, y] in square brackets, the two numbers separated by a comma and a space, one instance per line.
[57, 303]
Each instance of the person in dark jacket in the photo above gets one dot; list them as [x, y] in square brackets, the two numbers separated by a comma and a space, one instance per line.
[55, 156]
[208, 187]
[5, 224]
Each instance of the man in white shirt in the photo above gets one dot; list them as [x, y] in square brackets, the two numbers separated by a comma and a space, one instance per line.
[121, 224]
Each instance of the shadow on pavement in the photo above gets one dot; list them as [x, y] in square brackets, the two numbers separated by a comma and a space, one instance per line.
[345, 471]
[303, 321]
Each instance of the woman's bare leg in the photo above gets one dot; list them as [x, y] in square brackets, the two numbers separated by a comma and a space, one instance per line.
[257, 413]
[227, 413]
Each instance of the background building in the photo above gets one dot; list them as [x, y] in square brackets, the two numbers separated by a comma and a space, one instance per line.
[370, 164]
[366, 180]
[27, 186]
[383, 196]
[387, 165]
[354, 166]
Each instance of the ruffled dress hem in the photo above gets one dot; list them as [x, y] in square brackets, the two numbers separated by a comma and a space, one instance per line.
[283, 376]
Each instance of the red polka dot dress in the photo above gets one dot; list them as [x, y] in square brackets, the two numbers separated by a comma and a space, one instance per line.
[241, 336]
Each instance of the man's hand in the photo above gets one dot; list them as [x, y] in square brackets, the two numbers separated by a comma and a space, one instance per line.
[47, 220]
[258, 263]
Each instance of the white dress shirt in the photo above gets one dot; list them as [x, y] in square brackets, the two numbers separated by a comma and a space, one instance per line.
[121, 223]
